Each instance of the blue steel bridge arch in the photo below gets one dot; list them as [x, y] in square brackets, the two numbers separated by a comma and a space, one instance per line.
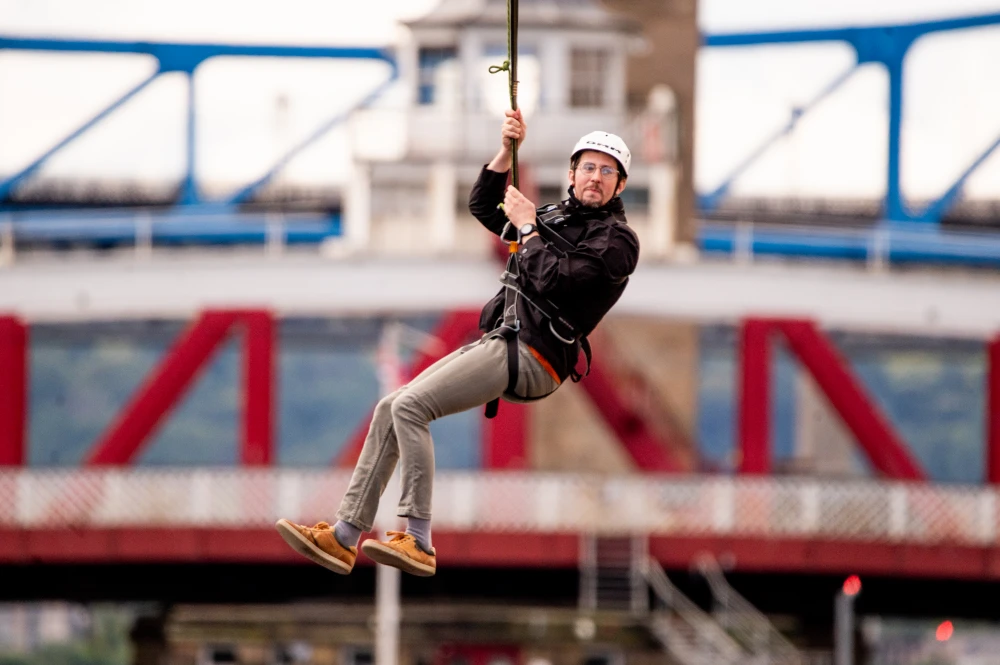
[887, 45]
[185, 58]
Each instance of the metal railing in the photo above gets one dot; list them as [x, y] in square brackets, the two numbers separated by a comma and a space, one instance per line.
[743, 621]
[687, 632]
[662, 505]
[878, 247]
[144, 229]
[695, 637]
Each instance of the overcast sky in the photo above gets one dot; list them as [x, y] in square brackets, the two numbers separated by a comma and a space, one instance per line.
[953, 101]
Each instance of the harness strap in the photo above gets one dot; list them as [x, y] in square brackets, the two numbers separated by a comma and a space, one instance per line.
[509, 334]
[573, 374]
[508, 330]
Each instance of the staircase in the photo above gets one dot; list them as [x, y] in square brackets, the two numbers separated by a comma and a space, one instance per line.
[689, 634]
[611, 574]
[744, 622]
[617, 575]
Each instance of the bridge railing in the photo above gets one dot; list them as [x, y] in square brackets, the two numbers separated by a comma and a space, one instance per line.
[682, 506]
[878, 246]
[146, 228]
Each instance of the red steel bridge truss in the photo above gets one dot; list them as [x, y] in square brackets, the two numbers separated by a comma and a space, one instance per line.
[896, 524]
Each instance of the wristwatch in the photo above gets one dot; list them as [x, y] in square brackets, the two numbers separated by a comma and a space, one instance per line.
[526, 230]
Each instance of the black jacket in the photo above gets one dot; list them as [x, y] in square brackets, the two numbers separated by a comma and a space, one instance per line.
[583, 282]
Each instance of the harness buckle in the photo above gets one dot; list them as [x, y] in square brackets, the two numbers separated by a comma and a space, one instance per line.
[558, 336]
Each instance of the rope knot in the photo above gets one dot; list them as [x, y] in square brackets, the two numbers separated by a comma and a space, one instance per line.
[496, 69]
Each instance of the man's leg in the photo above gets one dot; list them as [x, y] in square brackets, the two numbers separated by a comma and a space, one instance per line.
[469, 380]
[474, 376]
[336, 547]
[374, 469]
[378, 458]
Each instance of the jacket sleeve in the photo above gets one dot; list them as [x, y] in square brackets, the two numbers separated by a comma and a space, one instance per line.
[486, 195]
[607, 254]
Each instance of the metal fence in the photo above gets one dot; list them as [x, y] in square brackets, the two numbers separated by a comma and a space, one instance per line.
[533, 502]
[878, 246]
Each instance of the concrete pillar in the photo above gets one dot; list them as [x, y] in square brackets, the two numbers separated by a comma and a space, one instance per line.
[470, 52]
[615, 82]
[387, 615]
[449, 140]
[387, 578]
[358, 207]
[407, 60]
[662, 209]
[554, 57]
[442, 194]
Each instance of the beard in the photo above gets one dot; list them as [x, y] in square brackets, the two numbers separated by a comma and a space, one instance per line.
[592, 203]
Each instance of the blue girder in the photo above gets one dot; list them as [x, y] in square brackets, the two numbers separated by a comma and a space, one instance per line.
[185, 58]
[884, 44]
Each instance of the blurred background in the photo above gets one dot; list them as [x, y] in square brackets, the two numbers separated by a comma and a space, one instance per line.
[227, 227]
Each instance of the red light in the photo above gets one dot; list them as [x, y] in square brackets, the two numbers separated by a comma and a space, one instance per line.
[852, 586]
[944, 631]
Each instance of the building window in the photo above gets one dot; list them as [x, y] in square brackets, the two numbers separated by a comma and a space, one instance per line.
[430, 58]
[636, 200]
[588, 73]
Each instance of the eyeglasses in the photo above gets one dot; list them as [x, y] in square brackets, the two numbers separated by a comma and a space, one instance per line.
[606, 171]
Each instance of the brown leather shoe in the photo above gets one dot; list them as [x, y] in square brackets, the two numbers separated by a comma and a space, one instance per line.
[402, 552]
[318, 544]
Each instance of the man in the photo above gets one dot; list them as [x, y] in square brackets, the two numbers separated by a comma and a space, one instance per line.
[572, 266]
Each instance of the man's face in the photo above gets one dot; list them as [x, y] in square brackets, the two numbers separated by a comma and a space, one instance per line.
[594, 189]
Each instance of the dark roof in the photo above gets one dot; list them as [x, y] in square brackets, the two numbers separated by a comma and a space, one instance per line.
[531, 13]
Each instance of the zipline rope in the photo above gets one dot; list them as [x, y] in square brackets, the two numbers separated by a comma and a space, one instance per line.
[510, 66]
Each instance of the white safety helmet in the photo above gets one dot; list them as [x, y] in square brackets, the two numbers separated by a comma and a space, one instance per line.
[609, 144]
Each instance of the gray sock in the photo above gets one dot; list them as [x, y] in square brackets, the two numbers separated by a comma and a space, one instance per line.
[421, 531]
[346, 533]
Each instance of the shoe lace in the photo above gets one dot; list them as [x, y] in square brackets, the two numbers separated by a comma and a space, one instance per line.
[397, 535]
[322, 526]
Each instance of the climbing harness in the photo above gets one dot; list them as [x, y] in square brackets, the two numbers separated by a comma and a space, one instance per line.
[510, 325]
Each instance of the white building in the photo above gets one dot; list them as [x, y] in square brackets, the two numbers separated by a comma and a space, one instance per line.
[572, 58]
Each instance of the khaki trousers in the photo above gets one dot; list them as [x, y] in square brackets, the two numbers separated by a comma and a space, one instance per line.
[400, 430]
